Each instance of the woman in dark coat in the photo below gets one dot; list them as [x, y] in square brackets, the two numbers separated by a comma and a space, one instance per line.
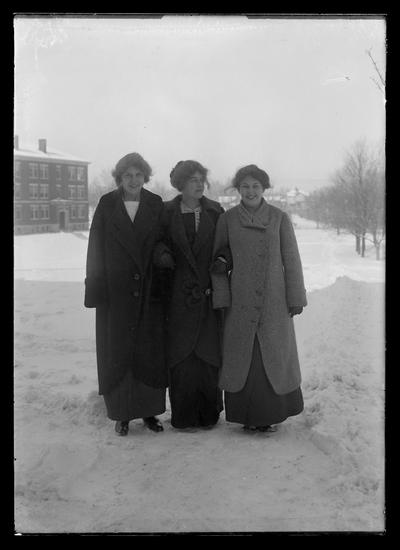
[194, 353]
[121, 283]
[260, 372]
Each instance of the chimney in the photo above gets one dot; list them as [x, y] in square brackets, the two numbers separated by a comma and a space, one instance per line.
[16, 142]
[43, 145]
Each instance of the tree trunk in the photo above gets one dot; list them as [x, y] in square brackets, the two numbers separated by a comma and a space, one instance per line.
[363, 247]
[378, 250]
[358, 244]
[338, 231]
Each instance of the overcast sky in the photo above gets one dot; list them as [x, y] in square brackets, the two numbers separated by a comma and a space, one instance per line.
[291, 95]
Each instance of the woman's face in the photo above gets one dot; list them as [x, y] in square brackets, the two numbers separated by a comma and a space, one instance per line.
[251, 191]
[132, 180]
[194, 186]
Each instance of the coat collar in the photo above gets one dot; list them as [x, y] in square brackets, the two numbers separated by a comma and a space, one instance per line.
[132, 235]
[259, 220]
[205, 229]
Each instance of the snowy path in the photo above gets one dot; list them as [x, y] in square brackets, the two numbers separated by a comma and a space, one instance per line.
[318, 472]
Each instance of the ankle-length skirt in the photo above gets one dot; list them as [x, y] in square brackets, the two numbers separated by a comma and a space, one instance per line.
[132, 399]
[194, 395]
[257, 404]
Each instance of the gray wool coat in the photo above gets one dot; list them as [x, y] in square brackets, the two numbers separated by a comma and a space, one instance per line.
[266, 280]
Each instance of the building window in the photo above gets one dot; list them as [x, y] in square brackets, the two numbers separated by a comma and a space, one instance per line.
[34, 212]
[44, 209]
[44, 171]
[58, 190]
[71, 190]
[81, 173]
[17, 190]
[33, 191]
[58, 172]
[44, 190]
[33, 170]
[81, 211]
[81, 192]
[18, 214]
[17, 169]
[73, 212]
[72, 173]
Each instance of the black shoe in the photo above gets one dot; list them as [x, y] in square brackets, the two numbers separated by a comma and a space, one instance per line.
[153, 424]
[122, 427]
[270, 429]
[250, 428]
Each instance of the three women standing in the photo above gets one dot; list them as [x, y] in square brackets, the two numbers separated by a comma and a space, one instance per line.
[260, 372]
[193, 330]
[122, 285]
[256, 278]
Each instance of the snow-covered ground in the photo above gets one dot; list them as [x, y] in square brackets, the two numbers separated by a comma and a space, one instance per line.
[321, 471]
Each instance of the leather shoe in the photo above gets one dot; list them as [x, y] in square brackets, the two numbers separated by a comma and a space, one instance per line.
[122, 427]
[153, 424]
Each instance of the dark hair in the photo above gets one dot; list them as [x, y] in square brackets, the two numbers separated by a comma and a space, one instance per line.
[183, 170]
[251, 170]
[131, 159]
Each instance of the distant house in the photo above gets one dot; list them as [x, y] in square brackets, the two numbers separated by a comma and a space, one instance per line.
[228, 201]
[296, 197]
[50, 190]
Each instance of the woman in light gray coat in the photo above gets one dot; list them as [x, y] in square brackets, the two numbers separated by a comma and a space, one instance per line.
[260, 292]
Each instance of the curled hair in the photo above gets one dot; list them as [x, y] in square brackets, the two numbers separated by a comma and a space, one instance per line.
[131, 159]
[183, 170]
[251, 170]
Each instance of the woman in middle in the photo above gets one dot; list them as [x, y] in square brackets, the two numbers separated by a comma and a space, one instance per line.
[193, 330]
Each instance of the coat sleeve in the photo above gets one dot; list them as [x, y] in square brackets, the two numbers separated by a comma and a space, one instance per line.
[162, 255]
[221, 293]
[293, 271]
[95, 281]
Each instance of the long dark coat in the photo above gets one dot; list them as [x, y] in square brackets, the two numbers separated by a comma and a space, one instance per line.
[193, 325]
[266, 279]
[121, 284]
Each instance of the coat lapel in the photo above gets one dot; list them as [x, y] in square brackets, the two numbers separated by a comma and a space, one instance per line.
[178, 233]
[132, 235]
[259, 220]
[206, 227]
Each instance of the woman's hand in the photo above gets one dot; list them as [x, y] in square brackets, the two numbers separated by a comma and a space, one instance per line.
[295, 310]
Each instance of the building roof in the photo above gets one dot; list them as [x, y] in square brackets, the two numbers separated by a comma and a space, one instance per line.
[51, 154]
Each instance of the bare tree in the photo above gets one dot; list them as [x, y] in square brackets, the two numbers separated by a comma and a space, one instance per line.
[101, 184]
[355, 201]
[381, 82]
[376, 223]
[166, 192]
[356, 181]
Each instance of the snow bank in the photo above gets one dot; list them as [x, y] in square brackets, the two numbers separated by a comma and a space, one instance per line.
[341, 347]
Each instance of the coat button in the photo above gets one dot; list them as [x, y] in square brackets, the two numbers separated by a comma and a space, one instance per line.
[136, 276]
[132, 329]
[136, 293]
[258, 292]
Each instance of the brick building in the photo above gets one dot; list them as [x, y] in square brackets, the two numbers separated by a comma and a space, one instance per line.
[50, 190]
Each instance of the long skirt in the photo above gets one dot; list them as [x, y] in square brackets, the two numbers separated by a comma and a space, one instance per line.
[195, 397]
[257, 404]
[133, 399]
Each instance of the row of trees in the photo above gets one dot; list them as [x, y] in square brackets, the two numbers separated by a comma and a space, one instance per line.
[104, 182]
[355, 201]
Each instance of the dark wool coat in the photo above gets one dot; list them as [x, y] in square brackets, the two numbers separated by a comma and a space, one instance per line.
[266, 280]
[121, 283]
[193, 325]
